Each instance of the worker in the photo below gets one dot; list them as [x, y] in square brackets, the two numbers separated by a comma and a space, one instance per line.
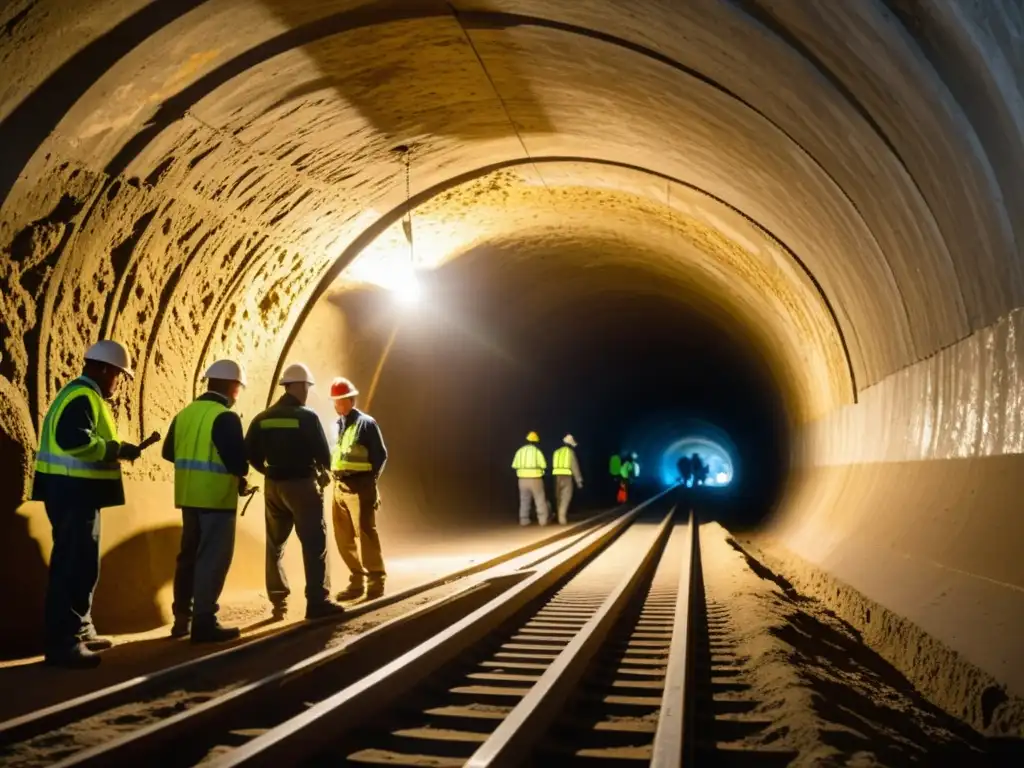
[700, 469]
[625, 478]
[566, 469]
[685, 467]
[78, 473]
[287, 443]
[530, 464]
[206, 445]
[357, 461]
[615, 472]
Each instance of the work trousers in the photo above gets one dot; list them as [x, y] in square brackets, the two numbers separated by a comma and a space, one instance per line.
[355, 515]
[207, 546]
[74, 572]
[296, 504]
[531, 491]
[565, 485]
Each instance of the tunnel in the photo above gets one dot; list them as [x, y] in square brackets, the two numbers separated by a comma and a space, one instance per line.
[795, 220]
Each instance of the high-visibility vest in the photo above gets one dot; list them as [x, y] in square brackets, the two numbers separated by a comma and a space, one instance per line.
[87, 461]
[348, 455]
[529, 462]
[561, 462]
[200, 478]
[615, 466]
[626, 470]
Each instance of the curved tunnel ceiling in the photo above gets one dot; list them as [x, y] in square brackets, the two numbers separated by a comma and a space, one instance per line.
[841, 180]
[268, 148]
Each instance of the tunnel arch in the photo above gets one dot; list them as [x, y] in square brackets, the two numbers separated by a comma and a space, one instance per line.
[132, 206]
[386, 221]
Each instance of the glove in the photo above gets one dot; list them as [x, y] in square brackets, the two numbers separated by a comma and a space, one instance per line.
[129, 452]
[579, 486]
[243, 486]
[376, 502]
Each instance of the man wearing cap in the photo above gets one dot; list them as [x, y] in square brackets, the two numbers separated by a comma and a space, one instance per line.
[530, 465]
[206, 445]
[78, 473]
[566, 469]
[357, 461]
[286, 443]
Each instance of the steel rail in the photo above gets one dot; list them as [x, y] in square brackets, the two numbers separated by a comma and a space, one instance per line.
[321, 725]
[511, 742]
[671, 747]
[58, 715]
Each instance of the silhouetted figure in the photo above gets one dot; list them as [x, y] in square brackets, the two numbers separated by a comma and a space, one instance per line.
[699, 468]
[685, 467]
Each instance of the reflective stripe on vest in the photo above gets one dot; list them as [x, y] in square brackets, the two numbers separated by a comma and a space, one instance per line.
[529, 462]
[200, 478]
[561, 462]
[348, 455]
[85, 462]
[279, 424]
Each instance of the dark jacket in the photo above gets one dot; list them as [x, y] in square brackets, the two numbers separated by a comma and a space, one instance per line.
[294, 453]
[74, 430]
[368, 435]
[227, 439]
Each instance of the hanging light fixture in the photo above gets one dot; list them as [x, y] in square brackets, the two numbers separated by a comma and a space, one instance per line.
[407, 289]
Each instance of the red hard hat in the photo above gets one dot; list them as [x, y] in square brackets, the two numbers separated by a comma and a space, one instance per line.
[342, 388]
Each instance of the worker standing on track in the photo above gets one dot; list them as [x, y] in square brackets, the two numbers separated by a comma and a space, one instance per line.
[206, 444]
[77, 474]
[628, 471]
[357, 461]
[530, 464]
[287, 443]
[566, 469]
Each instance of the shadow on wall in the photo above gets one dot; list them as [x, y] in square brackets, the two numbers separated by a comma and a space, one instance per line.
[132, 576]
[23, 566]
[133, 594]
[444, 90]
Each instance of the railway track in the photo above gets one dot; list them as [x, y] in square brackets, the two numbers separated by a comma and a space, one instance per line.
[503, 686]
[92, 729]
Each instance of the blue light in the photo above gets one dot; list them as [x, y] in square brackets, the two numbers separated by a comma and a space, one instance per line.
[715, 456]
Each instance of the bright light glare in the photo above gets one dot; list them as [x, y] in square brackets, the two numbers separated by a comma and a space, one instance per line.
[408, 292]
[722, 478]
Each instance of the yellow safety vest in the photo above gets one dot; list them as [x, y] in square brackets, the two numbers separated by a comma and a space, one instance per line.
[200, 478]
[561, 462]
[529, 462]
[85, 462]
[348, 455]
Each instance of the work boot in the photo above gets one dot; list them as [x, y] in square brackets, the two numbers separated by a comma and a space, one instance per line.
[278, 611]
[375, 589]
[206, 629]
[325, 610]
[96, 643]
[182, 626]
[353, 591]
[75, 656]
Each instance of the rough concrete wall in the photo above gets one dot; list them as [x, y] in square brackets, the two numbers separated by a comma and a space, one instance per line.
[911, 497]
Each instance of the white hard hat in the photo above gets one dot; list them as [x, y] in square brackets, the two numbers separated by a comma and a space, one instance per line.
[569, 440]
[297, 373]
[111, 353]
[226, 370]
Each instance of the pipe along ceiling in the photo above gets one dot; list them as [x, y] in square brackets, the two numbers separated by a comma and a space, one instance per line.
[797, 221]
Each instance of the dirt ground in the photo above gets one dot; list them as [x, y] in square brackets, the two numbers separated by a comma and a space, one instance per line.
[827, 695]
[134, 655]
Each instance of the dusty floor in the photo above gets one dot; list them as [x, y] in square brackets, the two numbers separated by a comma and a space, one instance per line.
[827, 695]
[138, 654]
